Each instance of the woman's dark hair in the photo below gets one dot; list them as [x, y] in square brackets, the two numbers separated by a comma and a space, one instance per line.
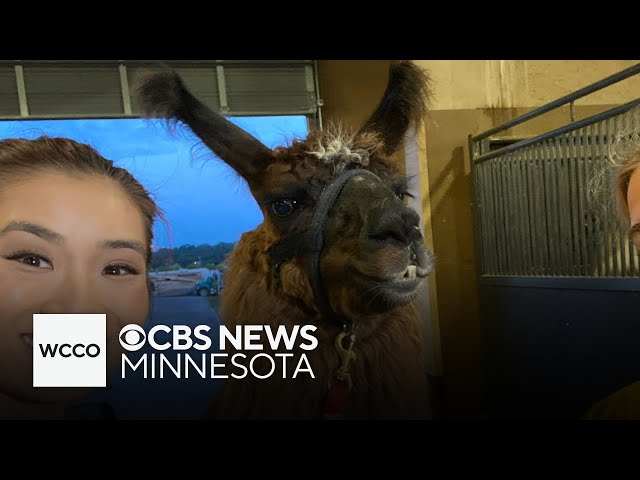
[20, 158]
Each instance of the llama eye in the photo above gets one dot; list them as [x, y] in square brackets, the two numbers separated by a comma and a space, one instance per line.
[284, 208]
[403, 195]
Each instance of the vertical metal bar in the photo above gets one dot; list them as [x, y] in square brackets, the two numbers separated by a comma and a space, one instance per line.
[222, 89]
[558, 163]
[478, 227]
[487, 213]
[517, 217]
[572, 211]
[573, 201]
[504, 208]
[490, 200]
[523, 203]
[548, 208]
[535, 212]
[488, 244]
[491, 167]
[565, 205]
[543, 194]
[510, 212]
[487, 227]
[527, 199]
[319, 101]
[498, 221]
[483, 213]
[564, 224]
[525, 233]
[588, 214]
[310, 88]
[594, 221]
[22, 91]
[493, 196]
[539, 191]
[578, 146]
[124, 89]
[523, 214]
[554, 208]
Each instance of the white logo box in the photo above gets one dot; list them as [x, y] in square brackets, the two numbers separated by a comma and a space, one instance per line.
[72, 330]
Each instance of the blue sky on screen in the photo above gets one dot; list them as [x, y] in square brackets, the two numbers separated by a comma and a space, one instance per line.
[203, 199]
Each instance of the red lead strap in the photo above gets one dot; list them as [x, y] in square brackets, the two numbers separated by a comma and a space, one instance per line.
[336, 401]
[335, 404]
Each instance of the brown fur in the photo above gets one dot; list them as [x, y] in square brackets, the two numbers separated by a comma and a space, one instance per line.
[389, 375]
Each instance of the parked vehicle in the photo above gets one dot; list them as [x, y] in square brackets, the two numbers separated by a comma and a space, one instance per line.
[206, 287]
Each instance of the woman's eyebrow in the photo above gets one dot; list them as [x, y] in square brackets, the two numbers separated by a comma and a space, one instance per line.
[131, 244]
[37, 230]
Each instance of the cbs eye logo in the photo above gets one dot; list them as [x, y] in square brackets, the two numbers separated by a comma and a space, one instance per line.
[132, 337]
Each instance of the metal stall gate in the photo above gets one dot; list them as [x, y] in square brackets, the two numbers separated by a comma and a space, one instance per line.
[558, 278]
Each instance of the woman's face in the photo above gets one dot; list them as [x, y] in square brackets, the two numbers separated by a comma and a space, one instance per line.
[67, 245]
[633, 200]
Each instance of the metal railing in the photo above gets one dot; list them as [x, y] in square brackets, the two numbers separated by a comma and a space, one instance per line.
[533, 215]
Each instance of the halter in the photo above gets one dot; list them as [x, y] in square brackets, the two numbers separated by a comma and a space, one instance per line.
[311, 243]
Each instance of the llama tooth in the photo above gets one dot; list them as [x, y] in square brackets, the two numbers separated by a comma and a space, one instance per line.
[411, 271]
[404, 275]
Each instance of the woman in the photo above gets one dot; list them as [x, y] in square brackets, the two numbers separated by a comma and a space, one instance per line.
[625, 403]
[75, 237]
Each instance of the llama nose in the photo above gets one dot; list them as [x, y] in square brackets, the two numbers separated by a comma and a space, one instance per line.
[399, 226]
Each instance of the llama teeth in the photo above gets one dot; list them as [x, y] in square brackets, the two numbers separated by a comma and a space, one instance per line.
[410, 273]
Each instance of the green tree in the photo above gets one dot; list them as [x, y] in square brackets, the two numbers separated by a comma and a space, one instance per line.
[186, 255]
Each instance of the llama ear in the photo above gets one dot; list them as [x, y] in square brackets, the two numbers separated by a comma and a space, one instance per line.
[162, 93]
[403, 105]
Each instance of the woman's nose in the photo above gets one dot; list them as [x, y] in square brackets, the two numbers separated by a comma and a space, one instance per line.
[73, 294]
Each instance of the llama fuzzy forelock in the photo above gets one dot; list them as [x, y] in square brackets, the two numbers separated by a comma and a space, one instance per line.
[339, 150]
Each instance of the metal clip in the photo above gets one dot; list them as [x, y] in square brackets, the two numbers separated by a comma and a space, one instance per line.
[346, 356]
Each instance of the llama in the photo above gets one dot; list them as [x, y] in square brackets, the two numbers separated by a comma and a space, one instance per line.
[338, 248]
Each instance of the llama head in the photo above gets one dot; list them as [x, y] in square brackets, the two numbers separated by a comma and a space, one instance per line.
[369, 250]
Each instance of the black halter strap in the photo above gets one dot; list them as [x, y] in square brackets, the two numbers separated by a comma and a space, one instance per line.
[311, 242]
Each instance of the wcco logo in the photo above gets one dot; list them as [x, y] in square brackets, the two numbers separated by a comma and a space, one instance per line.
[79, 350]
[69, 350]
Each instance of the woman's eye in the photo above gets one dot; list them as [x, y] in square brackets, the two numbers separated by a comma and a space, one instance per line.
[32, 260]
[284, 208]
[118, 270]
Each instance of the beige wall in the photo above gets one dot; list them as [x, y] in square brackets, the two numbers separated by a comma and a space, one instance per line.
[469, 98]
[351, 89]
[469, 84]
